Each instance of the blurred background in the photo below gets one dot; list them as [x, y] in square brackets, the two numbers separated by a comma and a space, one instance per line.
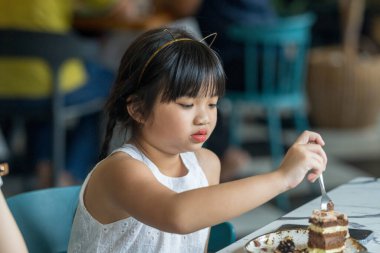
[336, 68]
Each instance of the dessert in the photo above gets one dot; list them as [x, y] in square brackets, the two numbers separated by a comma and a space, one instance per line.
[328, 231]
[286, 246]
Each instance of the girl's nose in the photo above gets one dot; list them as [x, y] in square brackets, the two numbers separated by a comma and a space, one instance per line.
[201, 119]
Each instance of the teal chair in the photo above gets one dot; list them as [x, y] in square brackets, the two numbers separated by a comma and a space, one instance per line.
[221, 235]
[45, 218]
[275, 60]
[275, 63]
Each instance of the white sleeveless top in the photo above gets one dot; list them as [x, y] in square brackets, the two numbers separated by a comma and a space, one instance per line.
[131, 235]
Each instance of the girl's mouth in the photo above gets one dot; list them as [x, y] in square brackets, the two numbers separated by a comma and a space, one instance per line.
[200, 136]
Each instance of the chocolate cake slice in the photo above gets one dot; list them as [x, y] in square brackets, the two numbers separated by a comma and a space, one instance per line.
[328, 231]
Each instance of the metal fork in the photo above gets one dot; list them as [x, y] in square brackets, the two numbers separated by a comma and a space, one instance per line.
[326, 202]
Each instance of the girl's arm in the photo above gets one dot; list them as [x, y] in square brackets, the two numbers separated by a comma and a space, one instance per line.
[127, 187]
[11, 239]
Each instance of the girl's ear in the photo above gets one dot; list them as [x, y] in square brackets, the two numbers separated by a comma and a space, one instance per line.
[134, 109]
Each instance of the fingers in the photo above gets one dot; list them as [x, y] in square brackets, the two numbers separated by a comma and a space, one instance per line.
[313, 143]
[316, 148]
[316, 159]
[312, 177]
[310, 137]
[305, 158]
[318, 162]
[312, 150]
[318, 165]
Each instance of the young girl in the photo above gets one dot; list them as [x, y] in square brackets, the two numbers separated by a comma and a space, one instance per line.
[160, 191]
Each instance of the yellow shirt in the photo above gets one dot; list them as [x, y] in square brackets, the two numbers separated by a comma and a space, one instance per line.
[30, 77]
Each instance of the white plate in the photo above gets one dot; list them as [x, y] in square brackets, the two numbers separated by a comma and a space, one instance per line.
[269, 242]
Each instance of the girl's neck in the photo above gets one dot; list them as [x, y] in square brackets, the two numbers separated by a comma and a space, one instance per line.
[169, 164]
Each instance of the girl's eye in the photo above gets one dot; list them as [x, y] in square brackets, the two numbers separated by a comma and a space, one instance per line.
[213, 105]
[186, 105]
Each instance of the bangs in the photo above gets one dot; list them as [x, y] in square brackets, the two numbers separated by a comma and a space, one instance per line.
[192, 70]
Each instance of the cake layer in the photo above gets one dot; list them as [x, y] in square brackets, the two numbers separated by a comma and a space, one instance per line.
[315, 250]
[331, 223]
[328, 219]
[326, 241]
[327, 230]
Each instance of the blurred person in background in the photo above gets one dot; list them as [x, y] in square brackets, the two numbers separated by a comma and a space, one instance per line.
[29, 80]
[126, 19]
[217, 16]
[11, 239]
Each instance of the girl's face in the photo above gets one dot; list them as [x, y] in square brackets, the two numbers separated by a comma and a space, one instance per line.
[182, 125]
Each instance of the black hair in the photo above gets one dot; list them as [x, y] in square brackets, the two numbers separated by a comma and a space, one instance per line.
[182, 68]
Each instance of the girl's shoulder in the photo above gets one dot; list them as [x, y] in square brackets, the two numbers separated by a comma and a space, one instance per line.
[210, 164]
[117, 164]
[206, 154]
[109, 192]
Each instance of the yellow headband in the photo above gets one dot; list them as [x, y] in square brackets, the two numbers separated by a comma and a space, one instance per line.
[157, 51]
[168, 44]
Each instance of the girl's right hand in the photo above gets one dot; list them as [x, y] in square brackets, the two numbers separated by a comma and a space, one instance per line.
[305, 155]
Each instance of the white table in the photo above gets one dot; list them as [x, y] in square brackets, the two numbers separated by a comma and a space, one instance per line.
[359, 199]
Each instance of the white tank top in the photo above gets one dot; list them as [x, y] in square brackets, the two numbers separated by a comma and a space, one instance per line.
[131, 235]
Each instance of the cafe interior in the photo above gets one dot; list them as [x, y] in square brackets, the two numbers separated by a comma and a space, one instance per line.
[328, 58]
